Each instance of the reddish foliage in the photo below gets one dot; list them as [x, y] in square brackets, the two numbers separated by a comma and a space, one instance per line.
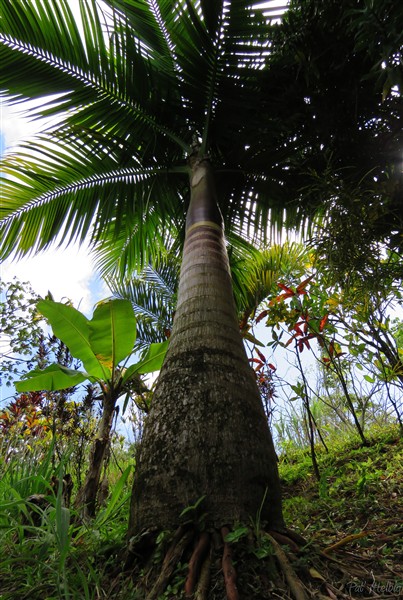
[323, 322]
[26, 411]
[261, 316]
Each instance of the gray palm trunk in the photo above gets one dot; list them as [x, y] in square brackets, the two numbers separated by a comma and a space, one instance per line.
[206, 434]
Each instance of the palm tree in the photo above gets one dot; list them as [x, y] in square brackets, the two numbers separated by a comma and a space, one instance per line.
[157, 110]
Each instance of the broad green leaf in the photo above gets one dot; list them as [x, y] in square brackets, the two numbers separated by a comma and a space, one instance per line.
[55, 377]
[72, 327]
[151, 362]
[154, 358]
[112, 332]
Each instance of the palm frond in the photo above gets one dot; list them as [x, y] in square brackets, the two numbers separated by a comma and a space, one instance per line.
[128, 84]
[58, 200]
[153, 296]
[269, 266]
[88, 76]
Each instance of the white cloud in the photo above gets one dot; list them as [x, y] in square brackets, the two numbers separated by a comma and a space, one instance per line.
[66, 273]
[15, 125]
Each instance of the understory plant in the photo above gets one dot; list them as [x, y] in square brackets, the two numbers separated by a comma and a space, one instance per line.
[104, 346]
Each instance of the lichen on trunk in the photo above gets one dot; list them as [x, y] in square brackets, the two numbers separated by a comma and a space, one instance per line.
[206, 434]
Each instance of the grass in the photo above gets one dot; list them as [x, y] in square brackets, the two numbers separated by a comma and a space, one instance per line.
[356, 507]
[61, 557]
[357, 504]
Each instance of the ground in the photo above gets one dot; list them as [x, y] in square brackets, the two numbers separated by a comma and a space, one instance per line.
[353, 515]
[352, 521]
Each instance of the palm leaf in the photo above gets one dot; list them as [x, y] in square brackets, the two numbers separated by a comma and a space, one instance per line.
[153, 296]
[57, 198]
[135, 83]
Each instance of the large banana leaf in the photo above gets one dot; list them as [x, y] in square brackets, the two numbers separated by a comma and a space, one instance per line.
[100, 343]
[112, 332]
[53, 378]
[72, 327]
[151, 362]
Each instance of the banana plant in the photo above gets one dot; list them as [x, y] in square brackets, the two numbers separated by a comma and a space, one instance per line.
[104, 345]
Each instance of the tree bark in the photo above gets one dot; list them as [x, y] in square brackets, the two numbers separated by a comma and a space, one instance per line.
[206, 433]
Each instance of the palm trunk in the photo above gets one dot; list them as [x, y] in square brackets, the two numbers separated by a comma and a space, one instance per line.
[206, 434]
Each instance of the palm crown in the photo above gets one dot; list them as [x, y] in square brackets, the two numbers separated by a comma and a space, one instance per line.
[131, 88]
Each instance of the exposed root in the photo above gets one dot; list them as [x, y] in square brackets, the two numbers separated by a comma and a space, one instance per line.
[195, 562]
[293, 581]
[204, 579]
[284, 540]
[294, 536]
[229, 569]
[211, 550]
[181, 540]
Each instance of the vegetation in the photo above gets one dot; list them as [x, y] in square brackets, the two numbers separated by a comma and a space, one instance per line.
[61, 418]
[104, 346]
[351, 517]
[167, 123]
[329, 510]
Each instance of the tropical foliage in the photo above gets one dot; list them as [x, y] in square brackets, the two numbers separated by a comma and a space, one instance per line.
[100, 344]
[173, 77]
[354, 338]
[149, 107]
[336, 72]
[103, 345]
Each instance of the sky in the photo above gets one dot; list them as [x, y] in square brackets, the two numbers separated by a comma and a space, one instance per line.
[68, 273]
